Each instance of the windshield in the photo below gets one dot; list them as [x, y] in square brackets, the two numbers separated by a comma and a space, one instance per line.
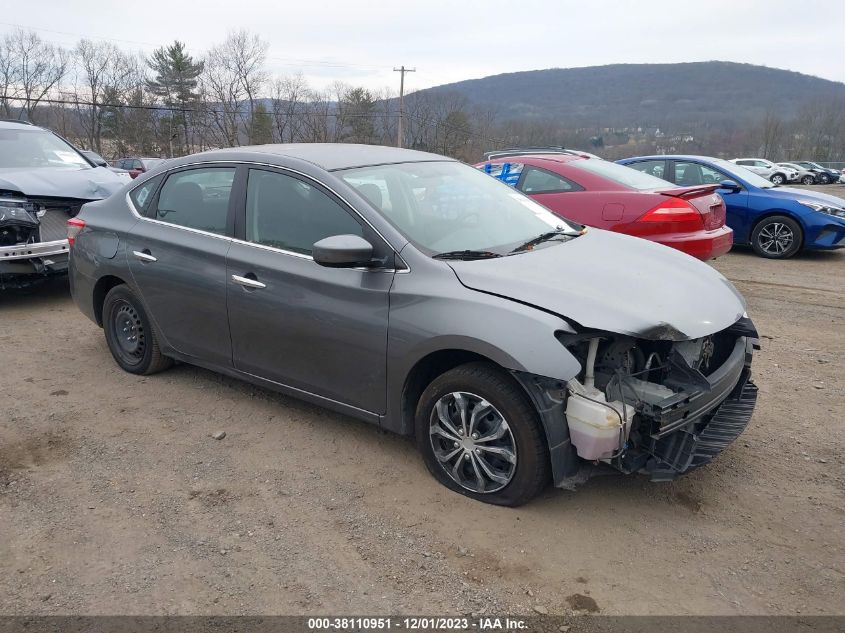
[32, 147]
[620, 174]
[746, 174]
[442, 207]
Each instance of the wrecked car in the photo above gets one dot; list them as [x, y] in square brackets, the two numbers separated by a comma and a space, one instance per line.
[44, 181]
[414, 292]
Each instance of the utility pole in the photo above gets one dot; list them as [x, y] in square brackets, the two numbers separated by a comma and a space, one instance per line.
[402, 70]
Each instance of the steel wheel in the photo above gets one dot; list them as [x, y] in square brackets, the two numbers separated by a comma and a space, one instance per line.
[472, 442]
[128, 332]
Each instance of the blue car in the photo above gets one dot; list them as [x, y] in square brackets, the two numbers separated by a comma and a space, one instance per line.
[777, 222]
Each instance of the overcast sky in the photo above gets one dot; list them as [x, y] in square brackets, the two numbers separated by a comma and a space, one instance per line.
[361, 42]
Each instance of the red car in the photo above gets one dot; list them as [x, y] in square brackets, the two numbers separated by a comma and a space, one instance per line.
[603, 194]
[136, 166]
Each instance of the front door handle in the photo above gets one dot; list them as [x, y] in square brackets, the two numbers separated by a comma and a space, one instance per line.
[144, 256]
[246, 282]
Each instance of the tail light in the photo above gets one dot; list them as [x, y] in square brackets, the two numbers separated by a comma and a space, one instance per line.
[74, 226]
[675, 211]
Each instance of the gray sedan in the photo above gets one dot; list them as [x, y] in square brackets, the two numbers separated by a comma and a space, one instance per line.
[417, 293]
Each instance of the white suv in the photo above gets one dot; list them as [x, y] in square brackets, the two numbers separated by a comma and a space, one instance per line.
[767, 169]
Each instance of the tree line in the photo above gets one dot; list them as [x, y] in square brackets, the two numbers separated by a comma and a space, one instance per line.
[175, 101]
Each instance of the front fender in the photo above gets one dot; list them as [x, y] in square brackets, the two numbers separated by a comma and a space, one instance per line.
[429, 315]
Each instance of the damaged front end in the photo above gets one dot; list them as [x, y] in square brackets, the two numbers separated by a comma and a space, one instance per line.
[33, 237]
[657, 407]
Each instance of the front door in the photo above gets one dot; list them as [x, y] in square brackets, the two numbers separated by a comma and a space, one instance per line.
[693, 174]
[316, 329]
[177, 257]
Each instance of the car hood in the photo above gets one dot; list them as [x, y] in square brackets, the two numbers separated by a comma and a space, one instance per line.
[85, 184]
[802, 194]
[616, 283]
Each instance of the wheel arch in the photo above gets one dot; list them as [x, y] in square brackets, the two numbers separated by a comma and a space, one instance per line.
[771, 213]
[101, 289]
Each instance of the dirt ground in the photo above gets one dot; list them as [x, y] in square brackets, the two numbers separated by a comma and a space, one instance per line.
[115, 499]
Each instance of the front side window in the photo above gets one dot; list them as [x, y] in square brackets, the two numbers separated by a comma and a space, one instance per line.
[542, 181]
[689, 174]
[197, 199]
[287, 213]
[446, 206]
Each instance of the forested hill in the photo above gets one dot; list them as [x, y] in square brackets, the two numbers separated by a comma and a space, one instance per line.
[647, 94]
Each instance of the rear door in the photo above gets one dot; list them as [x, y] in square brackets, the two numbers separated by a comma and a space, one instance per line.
[316, 329]
[177, 257]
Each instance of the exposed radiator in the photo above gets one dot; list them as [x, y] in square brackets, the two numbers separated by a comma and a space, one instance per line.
[53, 225]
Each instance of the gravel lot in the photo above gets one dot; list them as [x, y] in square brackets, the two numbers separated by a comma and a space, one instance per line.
[115, 498]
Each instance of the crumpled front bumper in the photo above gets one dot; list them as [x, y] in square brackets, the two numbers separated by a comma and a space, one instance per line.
[22, 264]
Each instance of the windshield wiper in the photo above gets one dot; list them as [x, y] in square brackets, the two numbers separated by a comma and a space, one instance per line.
[543, 237]
[466, 254]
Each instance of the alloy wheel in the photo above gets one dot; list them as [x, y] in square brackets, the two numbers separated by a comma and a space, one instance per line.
[775, 238]
[472, 442]
[777, 179]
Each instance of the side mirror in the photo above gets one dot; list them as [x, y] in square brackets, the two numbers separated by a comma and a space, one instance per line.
[343, 251]
[730, 185]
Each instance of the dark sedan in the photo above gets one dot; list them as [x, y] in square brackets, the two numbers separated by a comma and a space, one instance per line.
[414, 292]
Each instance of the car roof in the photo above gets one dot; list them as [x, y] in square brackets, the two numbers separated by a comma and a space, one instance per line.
[8, 124]
[328, 156]
[557, 158]
[672, 157]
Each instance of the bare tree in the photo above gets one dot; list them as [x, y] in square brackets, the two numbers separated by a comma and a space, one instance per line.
[30, 68]
[105, 76]
[288, 103]
[234, 76]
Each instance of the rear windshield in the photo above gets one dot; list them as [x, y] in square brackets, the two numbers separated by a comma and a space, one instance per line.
[619, 174]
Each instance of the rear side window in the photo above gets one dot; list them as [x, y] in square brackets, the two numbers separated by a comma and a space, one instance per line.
[197, 199]
[542, 181]
[289, 214]
[508, 173]
[619, 174]
[656, 168]
[142, 196]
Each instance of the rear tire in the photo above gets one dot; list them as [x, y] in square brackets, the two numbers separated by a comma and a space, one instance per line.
[502, 456]
[777, 237]
[808, 180]
[130, 335]
[824, 179]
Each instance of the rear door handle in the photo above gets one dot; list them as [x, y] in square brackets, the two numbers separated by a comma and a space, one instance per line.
[144, 256]
[246, 282]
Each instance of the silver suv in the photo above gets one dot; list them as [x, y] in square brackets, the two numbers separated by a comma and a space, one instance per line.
[777, 174]
[44, 181]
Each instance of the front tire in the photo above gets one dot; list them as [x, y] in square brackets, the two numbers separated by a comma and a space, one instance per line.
[824, 179]
[131, 338]
[480, 436]
[777, 237]
[777, 179]
[808, 180]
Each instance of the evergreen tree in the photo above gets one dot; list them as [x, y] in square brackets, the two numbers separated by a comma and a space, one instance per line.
[260, 125]
[175, 82]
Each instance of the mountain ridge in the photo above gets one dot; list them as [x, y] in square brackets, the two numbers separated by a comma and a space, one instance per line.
[630, 95]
